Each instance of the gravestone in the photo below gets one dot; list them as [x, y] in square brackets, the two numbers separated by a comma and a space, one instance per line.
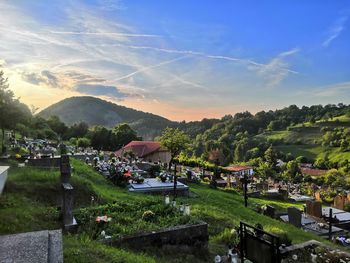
[69, 221]
[339, 202]
[65, 169]
[294, 216]
[314, 208]
[270, 211]
[318, 196]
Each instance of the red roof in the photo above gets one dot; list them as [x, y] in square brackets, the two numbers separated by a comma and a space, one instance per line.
[310, 171]
[140, 148]
[237, 168]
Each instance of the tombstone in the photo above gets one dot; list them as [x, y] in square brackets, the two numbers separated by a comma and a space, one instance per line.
[270, 211]
[283, 193]
[314, 208]
[318, 196]
[69, 222]
[65, 169]
[294, 216]
[339, 202]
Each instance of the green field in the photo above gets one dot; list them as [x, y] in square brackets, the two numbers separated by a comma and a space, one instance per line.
[31, 197]
[305, 140]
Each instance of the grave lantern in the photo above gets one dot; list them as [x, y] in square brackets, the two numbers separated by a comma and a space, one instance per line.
[187, 210]
[167, 200]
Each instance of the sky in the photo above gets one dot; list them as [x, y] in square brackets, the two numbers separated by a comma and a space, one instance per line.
[183, 59]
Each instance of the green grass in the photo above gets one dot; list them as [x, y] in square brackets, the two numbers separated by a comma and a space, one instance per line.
[31, 197]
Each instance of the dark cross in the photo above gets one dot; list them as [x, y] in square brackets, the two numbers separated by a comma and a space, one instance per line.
[175, 182]
[330, 224]
[245, 182]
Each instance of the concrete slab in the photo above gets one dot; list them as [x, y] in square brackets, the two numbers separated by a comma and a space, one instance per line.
[3, 177]
[33, 247]
[55, 246]
[26, 247]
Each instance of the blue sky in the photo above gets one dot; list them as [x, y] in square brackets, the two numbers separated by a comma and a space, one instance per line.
[184, 60]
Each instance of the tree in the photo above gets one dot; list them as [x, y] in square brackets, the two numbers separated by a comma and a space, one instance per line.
[264, 170]
[123, 134]
[175, 141]
[83, 142]
[57, 126]
[77, 130]
[271, 157]
[292, 172]
[12, 111]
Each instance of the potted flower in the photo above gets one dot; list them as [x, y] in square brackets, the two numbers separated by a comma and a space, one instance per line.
[138, 178]
[163, 177]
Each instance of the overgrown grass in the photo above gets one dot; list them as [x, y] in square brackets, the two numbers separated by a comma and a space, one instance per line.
[31, 197]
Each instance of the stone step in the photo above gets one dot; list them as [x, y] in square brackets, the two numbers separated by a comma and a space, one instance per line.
[39, 247]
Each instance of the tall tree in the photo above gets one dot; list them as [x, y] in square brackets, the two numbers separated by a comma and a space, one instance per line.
[12, 111]
[175, 141]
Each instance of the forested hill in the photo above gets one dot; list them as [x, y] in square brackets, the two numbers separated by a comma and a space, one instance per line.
[307, 131]
[310, 132]
[95, 111]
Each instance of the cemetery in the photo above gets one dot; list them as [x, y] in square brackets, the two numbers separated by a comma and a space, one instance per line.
[123, 205]
[115, 217]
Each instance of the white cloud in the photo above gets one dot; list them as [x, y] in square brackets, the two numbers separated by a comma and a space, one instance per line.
[335, 30]
[89, 49]
[277, 69]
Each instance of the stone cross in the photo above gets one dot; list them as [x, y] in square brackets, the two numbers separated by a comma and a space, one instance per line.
[65, 169]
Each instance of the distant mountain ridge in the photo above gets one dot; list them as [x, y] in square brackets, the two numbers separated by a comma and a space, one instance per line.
[95, 111]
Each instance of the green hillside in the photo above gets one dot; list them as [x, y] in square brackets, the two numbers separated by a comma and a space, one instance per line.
[306, 140]
[31, 197]
[95, 111]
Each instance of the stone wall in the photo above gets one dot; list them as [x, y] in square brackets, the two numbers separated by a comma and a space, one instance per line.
[183, 237]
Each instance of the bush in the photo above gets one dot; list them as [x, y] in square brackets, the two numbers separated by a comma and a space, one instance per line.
[83, 142]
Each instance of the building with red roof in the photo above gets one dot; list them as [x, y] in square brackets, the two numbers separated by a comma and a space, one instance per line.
[312, 171]
[240, 169]
[147, 150]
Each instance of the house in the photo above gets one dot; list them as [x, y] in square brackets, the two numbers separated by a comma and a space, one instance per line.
[147, 150]
[240, 170]
[312, 171]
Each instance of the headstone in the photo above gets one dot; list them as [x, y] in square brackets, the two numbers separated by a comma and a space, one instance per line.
[270, 211]
[339, 202]
[294, 216]
[65, 169]
[69, 221]
[318, 196]
[314, 208]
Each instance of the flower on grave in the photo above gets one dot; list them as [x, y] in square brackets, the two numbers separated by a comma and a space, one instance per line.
[295, 257]
[313, 258]
[103, 219]
[148, 215]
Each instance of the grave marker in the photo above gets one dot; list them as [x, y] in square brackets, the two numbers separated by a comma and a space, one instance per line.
[314, 208]
[294, 216]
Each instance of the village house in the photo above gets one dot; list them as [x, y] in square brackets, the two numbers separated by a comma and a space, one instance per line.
[147, 150]
[312, 171]
[240, 170]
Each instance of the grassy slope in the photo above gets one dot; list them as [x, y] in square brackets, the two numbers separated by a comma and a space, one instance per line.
[309, 138]
[29, 203]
